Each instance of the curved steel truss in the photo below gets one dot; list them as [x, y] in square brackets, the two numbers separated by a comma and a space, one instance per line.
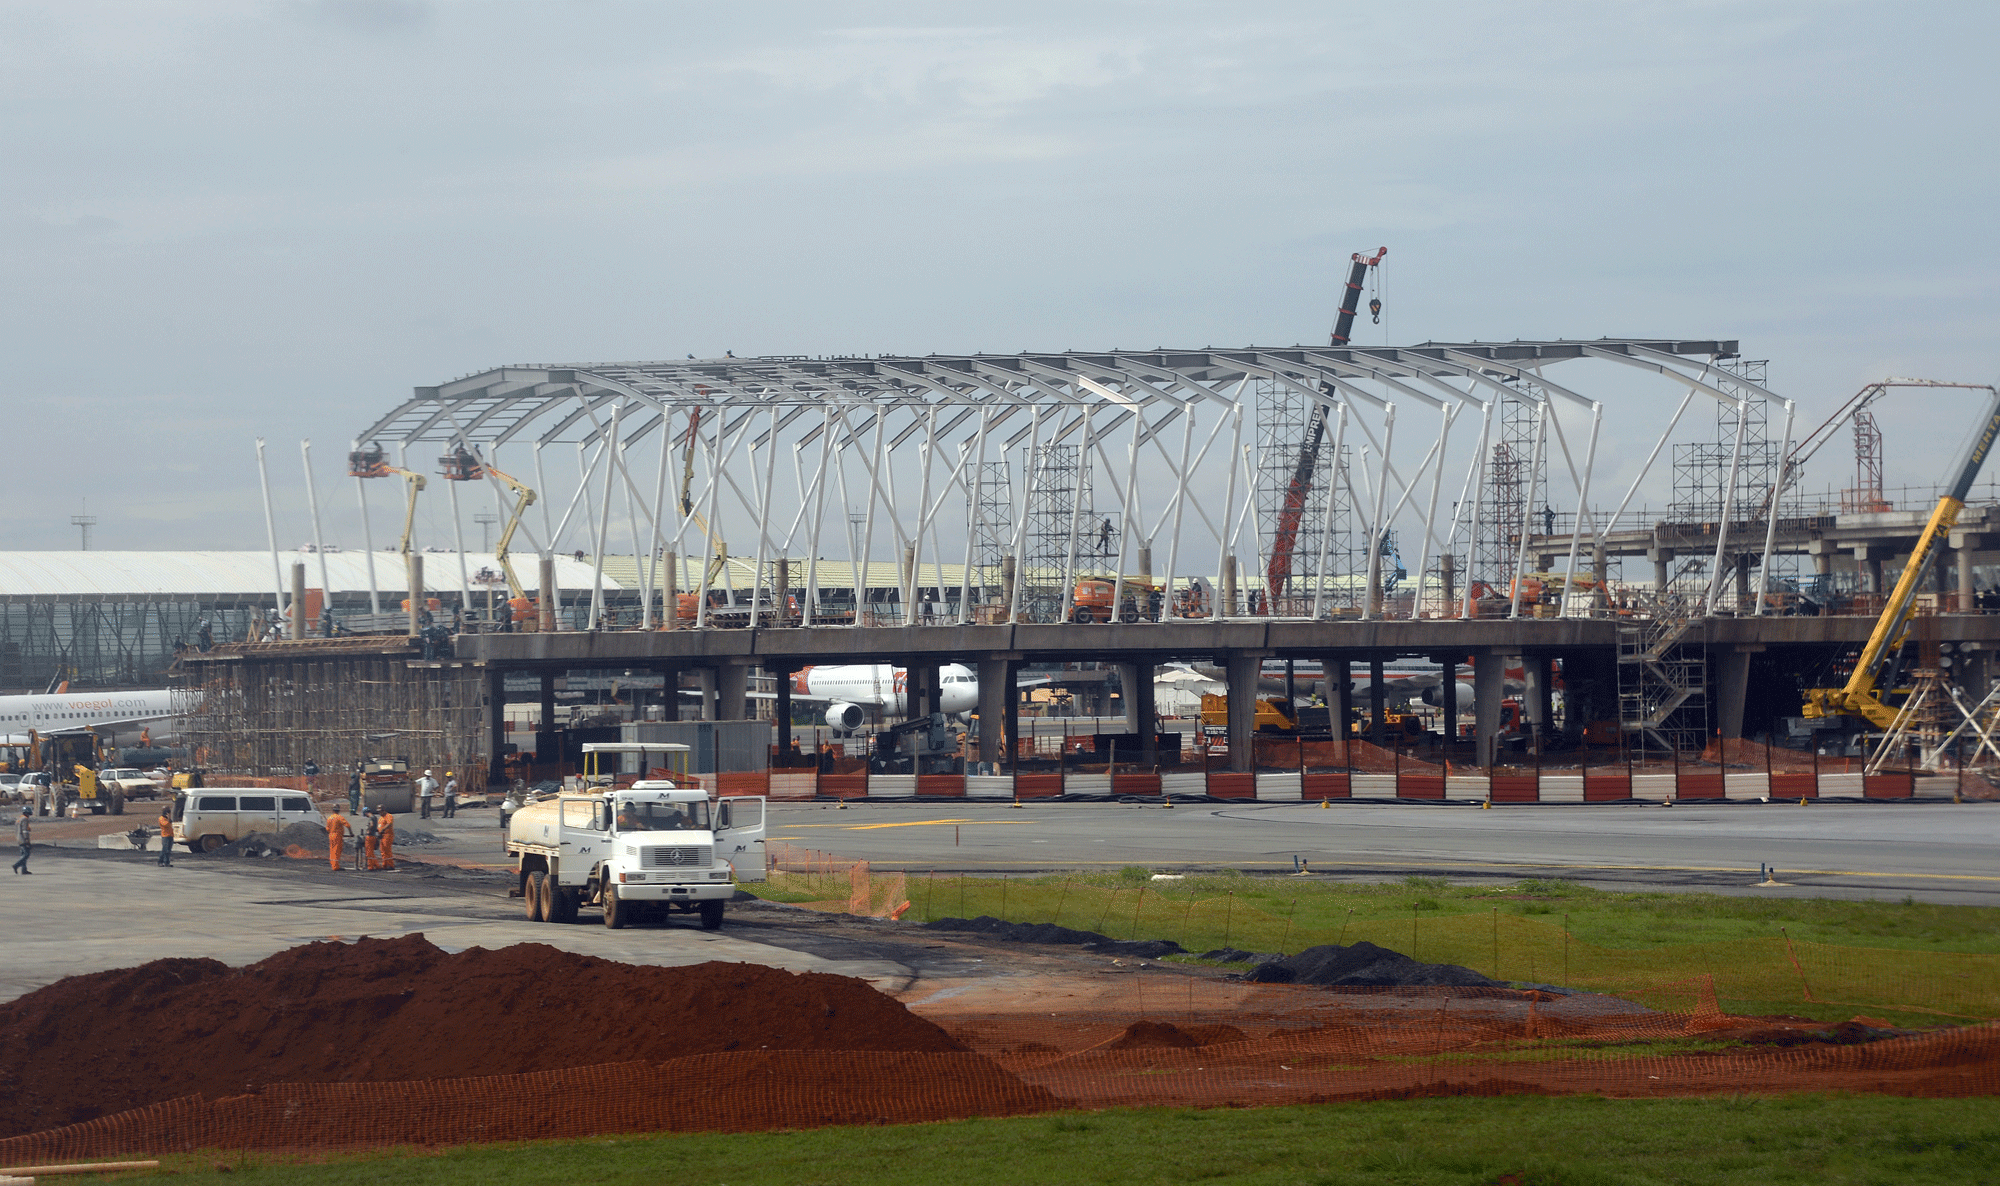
[1069, 464]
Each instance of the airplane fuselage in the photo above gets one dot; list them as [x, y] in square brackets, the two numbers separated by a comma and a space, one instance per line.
[123, 716]
[884, 688]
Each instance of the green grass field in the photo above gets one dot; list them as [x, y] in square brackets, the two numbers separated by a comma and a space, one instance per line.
[1908, 962]
[1529, 1141]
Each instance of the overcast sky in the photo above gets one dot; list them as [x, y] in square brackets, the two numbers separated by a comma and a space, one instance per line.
[231, 219]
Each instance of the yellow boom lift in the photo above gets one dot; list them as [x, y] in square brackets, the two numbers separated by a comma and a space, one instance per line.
[462, 465]
[1863, 694]
[373, 463]
[685, 603]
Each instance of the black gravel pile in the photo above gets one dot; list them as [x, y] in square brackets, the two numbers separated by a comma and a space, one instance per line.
[1365, 965]
[1045, 932]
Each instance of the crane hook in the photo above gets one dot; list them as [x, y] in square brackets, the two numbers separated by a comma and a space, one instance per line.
[1375, 310]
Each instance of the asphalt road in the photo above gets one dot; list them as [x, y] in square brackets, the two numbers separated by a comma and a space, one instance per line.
[1934, 852]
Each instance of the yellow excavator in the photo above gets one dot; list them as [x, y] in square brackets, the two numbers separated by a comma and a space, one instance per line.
[463, 465]
[1864, 693]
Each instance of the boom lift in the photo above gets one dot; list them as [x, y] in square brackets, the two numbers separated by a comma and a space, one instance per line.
[373, 463]
[686, 605]
[1285, 539]
[463, 465]
[1862, 696]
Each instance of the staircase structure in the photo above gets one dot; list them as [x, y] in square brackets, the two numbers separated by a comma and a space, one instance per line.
[1662, 686]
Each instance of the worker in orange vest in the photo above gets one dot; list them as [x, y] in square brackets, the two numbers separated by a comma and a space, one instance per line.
[166, 837]
[372, 840]
[387, 823]
[337, 832]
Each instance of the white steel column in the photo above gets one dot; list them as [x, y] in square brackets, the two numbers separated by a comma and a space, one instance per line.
[1582, 509]
[271, 527]
[1771, 517]
[367, 537]
[319, 544]
[1542, 413]
[1377, 529]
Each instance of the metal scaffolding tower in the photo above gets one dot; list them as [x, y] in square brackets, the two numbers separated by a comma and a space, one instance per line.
[992, 526]
[1511, 472]
[1285, 434]
[1065, 535]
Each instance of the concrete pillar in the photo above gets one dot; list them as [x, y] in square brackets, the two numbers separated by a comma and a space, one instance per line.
[1242, 673]
[706, 681]
[996, 687]
[1448, 584]
[1823, 563]
[496, 724]
[1007, 578]
[1538, 695]
[670, 586]
[299, 624]
[1488, 684]
[1448, 695]
[1732, 687]
[1663, 560]
[415, 572]
[546, 593]
[1377, 731]
[783, 608]
[1227, 607]
[1340, 680]
[1139, 706]
[732, 692]
[1146, 562]
[1600, 569]
[1963, 554]
[546, 720]
[783, 710]
[1012, 728]
[1744, 604]
[909, 571]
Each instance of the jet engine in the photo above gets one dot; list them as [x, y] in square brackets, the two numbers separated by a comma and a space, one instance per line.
[1465, 697]
[847, 717]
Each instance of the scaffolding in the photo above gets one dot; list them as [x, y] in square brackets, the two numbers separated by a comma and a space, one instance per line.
[1286, 422]
[992, 527]
[1064, 535]
[1662, 686]
[108, 642]
[1511, 473]
[1701, 483]
[265, 710]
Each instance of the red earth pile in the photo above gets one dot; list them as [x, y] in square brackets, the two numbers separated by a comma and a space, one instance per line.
[382, 1010]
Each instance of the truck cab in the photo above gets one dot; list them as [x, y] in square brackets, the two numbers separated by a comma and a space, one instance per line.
[655, 847]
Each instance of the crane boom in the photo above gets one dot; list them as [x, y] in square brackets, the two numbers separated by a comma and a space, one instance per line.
[1285, 539]
[1861, 696]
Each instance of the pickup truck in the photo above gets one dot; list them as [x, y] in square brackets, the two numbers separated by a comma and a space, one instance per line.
[646, 851]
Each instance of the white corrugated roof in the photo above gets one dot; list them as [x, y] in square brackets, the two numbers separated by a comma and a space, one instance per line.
[213, 574]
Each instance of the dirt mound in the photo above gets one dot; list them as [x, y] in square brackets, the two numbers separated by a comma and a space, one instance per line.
[1028, 932]
[401, 1009]
[1365, 965]
[1738, 752]
[1151, 1035]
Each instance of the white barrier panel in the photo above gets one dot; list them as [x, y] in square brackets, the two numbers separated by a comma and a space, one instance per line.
[892, 786]
[1939, 787]
[794, 785]
[1656, 788]
[1740, 787]
[1372, 786]
[1279, 788]
[1467, 786]
[1561, 788]
[1181, 782]
[1840, 786]
[989, 786]
[1086, 784]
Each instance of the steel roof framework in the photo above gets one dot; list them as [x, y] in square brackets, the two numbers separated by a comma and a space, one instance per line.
[905, 437]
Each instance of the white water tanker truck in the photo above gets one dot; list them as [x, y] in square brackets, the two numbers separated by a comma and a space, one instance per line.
[656, 847]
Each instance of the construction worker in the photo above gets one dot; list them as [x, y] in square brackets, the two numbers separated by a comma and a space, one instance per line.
[372, 839]
[354, 789]
[386, 824]
[337, 832]
[24, 835]
[450, 794]
[426, 787]
[166, 837]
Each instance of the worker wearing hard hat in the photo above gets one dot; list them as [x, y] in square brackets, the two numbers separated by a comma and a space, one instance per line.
[450, 794]
[372, 839]
[337, 832]
[166, 837]
[426, 787]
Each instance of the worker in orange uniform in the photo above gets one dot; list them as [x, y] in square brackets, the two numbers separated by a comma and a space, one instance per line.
[387, 824]
[166, 837]
[337, 832]
[372, 840]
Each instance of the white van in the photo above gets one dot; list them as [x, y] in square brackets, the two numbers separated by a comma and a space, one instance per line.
[206, 818]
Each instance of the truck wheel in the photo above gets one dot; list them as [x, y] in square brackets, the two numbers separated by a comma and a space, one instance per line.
[118, 805]
[1080, 614]
[552, 899]
[211, 842]
[711, 915]
[616, 913]
[531, 896]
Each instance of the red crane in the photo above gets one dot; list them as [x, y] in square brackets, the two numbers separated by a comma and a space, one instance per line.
[1285, 540]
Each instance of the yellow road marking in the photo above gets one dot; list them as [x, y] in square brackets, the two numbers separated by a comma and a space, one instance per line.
[925, 823]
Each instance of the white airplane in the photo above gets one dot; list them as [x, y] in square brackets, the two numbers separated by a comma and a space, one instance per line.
[853, 688]
[121, 718]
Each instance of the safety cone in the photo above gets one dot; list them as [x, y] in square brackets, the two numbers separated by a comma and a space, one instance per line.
[1325, 804]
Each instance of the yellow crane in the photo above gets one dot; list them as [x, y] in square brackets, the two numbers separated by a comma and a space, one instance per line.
[1862, 695]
